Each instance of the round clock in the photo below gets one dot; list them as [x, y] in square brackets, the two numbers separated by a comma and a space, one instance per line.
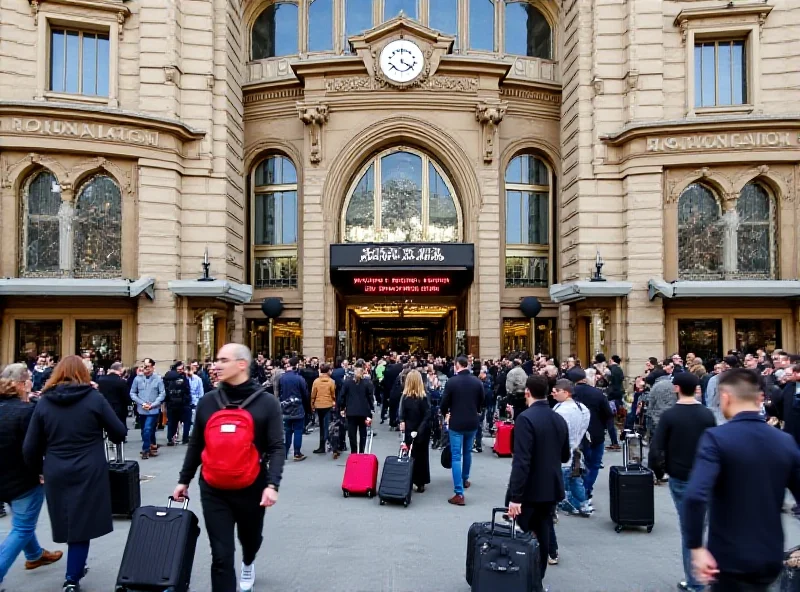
[401, 61]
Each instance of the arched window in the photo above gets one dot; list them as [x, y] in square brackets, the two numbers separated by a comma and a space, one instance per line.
[97, 228]
[391, 8]
[41, 225]
[402, 196]
[527, 31]
[701, 234]
[528, 185]
[275, 31]
[754, 235]
[443, 16]
[320, 25]
[275, 223]
[481, 25]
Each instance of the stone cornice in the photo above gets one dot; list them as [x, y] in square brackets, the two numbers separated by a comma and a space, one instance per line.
[730, 9]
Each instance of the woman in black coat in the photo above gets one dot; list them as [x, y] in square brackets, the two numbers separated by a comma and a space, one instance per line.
[416, 417]
[356, 402]
[66, 430]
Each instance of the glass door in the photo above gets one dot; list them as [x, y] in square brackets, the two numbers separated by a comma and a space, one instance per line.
[755, 334]
[102, 340]
[35, 337]
[702, 337]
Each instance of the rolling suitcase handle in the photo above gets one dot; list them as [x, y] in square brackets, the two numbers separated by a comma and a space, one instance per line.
[370, 435]
[171, 499]
[406, 454]
[495, 512]
[627, 459]
[119, 455]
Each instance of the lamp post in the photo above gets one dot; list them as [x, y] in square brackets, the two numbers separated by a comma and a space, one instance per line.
[598, 263]
[206, 268]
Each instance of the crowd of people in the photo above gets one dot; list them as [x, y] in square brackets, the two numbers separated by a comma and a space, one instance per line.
[54, 419]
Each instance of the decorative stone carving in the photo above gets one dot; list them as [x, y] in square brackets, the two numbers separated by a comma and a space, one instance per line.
[35, 11]
[489, 114]
[314, 115]
[599, 85]
[170, 74]
[632, 79]
[99, 163]
[434, 83]
[684, 25]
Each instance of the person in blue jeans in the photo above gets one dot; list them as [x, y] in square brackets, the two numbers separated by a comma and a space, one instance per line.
[293, 398]
[462, 401]
[19, 485]
[147, 391]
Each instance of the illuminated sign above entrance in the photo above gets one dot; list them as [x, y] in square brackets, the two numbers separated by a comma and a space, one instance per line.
[402, 284]
[398, 255]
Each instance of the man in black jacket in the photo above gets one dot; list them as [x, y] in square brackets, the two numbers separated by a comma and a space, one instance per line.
[596, 401]
[541, 444]
[225, 509]
[178, 401]
[463, 401]
[116, 391]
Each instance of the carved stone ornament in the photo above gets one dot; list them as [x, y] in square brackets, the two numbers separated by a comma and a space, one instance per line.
[684, 25]
[599, 85]
[314, 115]
[461, 84]
[170, 74]
[489, 114]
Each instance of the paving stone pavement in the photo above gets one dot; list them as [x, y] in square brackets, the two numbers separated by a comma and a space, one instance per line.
[316, 540]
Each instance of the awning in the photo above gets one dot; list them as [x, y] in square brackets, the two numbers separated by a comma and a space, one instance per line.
[573, 291]
[222, 289]
[77, 287]
[724, 289]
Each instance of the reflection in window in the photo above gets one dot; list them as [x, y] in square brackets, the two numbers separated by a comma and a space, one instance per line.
[79, 62]
[517, 336]
[755, 334]
[401, 197]
[276, 170]
[97, 226]
[702, 337]
[754, 237]
[320, 25]
[42, 241]
[720, 73]
[443, 16]
[102, 339]
[700, 234]
[276, 202]
[481, 25]
[527, 31]
[357, 17]
[37, 337]
[391, 8]
[275, 31]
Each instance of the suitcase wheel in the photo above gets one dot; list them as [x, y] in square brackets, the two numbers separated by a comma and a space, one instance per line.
[650, 529]
[370, 493]
[383, 502]
[618, 528]
[345, 493]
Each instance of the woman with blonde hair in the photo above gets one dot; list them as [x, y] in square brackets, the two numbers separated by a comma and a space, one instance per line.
[65, 444]
[416, 417]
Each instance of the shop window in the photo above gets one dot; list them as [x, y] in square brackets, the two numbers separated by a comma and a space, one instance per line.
[99, 341]
[41, 228]
[287, 337]
[402, 196]
[392, 8]
[481, 25]
[79, 62]
[544, 336]
[720, 73]
[357, 17]
[702, 337]
[275, 223]
[97, 225]
[528, 187]
[527, 31]
[755, 334]
[275, 31]
[37, 337]
[700, 234]
[443, 16]
[516, 335]
[754, 237]
[320, 25]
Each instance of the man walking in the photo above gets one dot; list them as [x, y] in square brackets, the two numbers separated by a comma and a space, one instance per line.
[673, 451]
[615, 393]
[740, 476]
[577, 417]
[294, 400]
[178, 402]
[115, 389]
[515, 387]
[242, 506]
[463, 401]
[148, 394]
[541, 444]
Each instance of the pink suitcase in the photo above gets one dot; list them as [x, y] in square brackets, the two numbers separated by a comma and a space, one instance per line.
[361, 472]
[503, 438]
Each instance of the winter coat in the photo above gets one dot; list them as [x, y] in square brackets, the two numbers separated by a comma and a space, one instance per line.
[66, 430]
[323, 393]
[177, 389]
[515, 381]
[116, 391]
[356, 398]
[661, 397]
[293, 395]
[16, 477]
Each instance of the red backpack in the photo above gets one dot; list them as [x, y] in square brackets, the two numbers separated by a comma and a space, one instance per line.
[230, 457]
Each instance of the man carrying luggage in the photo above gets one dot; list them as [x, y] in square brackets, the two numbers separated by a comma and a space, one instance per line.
[231, 501]
[536, 485]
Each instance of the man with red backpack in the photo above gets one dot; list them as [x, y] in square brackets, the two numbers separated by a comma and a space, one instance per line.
[238, 439]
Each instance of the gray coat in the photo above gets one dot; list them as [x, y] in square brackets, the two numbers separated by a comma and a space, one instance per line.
[515, 381]
[65, 444]
[662, 396]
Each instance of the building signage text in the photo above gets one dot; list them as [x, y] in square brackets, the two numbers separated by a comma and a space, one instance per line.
[410, 254]
[401, 284]
[76, 129]
[736, 141]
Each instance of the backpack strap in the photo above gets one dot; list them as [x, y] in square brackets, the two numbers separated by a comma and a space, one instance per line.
[224, 403]
[249, 399]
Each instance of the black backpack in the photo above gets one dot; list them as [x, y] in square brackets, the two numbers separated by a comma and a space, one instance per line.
[175, 392]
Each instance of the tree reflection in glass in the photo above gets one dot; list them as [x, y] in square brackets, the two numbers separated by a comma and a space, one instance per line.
[401, 197]
[98, 228]
[700, 234]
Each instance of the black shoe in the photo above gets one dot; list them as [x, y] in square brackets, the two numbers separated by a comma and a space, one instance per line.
[70, 587]
[170, 443]
[479, 450]
[319, 451]
[383, 421]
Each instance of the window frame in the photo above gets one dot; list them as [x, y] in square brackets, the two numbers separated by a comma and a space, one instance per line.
[302, 29]
[717, 44]
[82, 33]
[425, 190]
[545, 15]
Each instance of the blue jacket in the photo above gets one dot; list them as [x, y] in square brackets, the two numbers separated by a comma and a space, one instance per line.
[488, 391]
[741, 471]
[294, 395]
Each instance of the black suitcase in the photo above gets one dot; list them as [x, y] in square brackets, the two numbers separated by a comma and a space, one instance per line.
[632, 493]
[396, 483]
[123, 476]
[159, 553]
[500, 558]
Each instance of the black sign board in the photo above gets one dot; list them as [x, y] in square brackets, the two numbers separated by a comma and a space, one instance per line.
[402, 255]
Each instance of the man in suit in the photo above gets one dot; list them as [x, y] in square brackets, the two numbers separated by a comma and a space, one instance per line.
[541, 444]
[115, 389]
[740, 476]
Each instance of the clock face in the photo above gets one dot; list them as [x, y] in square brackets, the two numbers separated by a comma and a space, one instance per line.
[401, 61]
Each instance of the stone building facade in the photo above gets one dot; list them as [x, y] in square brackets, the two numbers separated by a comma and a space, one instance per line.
[398, 173]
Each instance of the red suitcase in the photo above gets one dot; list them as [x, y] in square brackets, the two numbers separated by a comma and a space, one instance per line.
[503, 438]
[361, 472]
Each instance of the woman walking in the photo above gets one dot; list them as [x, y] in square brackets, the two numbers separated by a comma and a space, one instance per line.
[356, 402]
[416, 413]
[66, 430]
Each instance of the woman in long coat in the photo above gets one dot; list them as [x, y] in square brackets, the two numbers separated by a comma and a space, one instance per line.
[65, 444]
[416, 417]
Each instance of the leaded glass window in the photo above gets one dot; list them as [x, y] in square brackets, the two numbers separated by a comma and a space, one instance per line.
[401, 196]
[97, 227]
[527, 31]
[700, 234]
[41, 227]
[275, 31]
[754, 239]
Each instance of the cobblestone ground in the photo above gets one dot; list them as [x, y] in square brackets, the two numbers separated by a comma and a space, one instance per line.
[317, 540]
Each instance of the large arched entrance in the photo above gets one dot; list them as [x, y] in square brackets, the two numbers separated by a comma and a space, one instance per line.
[401, 270]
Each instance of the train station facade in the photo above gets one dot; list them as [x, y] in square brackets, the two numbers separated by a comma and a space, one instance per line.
[398, 174]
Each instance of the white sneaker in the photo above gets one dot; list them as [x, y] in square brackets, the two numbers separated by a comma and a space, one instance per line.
[248, 578]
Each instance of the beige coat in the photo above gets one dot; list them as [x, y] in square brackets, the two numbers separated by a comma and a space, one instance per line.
[323, 393]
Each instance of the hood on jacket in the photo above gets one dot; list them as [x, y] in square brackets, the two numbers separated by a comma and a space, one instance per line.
[68, 394]
[173, 375]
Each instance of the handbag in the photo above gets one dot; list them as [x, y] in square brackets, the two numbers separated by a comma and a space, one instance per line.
[576, 463]
[447, 457]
